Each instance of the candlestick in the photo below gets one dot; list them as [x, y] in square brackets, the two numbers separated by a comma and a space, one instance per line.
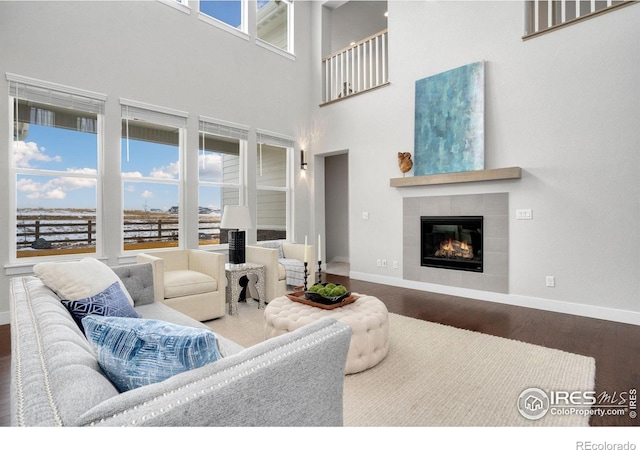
[319, 271]
[305, 275]
[305, 248]
[319, 248]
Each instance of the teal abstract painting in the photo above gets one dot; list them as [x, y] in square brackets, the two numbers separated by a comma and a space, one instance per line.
[449, 121]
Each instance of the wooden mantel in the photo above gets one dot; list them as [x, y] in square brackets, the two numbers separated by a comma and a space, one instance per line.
[507, 173]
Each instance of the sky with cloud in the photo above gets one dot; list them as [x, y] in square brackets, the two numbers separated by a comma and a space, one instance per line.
[74, 153]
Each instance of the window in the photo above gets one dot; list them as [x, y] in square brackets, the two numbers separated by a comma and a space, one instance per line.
[55, 150]
[180, 5]
[273, 186]
[152, 145]
[220, 168]
[228, 12]
[275, 23]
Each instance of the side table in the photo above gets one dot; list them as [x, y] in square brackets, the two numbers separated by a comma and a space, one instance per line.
[236, 271]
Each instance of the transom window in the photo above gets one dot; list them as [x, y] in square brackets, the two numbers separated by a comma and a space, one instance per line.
[274, 22]
[229, 12]
[55, 154]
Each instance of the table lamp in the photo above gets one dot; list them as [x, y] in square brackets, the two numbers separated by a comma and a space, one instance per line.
[235, 218]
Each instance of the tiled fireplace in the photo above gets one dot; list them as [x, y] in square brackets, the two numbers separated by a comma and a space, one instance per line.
[472, 234]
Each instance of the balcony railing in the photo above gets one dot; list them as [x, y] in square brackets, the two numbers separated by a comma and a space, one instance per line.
[358, 68]
[546, 15]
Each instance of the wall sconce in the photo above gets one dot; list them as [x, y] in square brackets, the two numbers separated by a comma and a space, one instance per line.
[303, 162]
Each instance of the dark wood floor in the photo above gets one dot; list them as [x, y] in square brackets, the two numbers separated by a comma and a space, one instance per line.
[615, 346]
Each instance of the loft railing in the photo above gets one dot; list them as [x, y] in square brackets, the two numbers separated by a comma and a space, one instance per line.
[360, 67]
[546, 15]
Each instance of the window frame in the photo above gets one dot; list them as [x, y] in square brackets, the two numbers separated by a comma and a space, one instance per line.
[242, 31]
[220, 128]
[289, 52]
[288, 145]
[58, 92]
[159, 115]
[180, 5]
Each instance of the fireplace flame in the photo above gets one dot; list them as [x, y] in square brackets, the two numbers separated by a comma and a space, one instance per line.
[455, 249]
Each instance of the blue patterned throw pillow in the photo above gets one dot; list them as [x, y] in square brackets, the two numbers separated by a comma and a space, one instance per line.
[110, 302]
[138, 352]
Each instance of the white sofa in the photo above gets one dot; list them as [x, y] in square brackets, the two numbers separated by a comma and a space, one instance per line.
[56, 380]
[190, 281]
[276, 282]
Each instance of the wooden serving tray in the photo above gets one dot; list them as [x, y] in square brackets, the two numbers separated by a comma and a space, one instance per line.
[300, 298]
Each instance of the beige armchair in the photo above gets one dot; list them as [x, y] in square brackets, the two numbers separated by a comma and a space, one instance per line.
[274, 262]
[190, 281]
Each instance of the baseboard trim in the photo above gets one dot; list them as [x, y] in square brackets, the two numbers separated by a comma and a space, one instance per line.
[577, 309]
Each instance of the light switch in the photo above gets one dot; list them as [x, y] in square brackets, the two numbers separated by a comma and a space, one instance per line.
[524, 214]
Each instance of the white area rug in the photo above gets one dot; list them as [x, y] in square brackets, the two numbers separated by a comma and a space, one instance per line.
[436, 375]
[246, 328]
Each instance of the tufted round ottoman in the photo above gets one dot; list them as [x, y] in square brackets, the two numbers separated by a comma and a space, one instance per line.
[367, 317]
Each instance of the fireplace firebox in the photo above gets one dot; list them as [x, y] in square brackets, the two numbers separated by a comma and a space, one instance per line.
[451, 242]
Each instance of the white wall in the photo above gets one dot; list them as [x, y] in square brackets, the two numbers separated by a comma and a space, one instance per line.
[355, 21]
[154, 53]
[563, 106]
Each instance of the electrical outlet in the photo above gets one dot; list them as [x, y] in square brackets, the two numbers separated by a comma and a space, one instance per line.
[551, 281]
[384, 263]
[395, 264]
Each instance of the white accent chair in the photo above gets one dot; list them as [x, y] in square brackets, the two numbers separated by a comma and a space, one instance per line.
[190, 281]
[276, 282]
